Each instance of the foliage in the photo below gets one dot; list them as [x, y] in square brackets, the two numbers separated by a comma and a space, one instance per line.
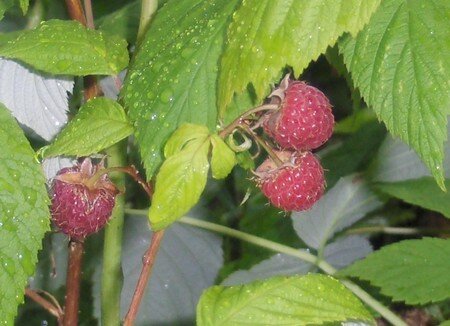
[24, 216]
[426, 258]
[178, 112]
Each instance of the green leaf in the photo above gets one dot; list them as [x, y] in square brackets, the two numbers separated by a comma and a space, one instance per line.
[413, 271]
[245, 160]
[422, 192]
[7, 4]
[240, 104]
[298, 300]
[355, 122]
[401, 64]
[24, 5]
[183, 135]
[223, 158]
[179, 183]
[100, 123]
[24, 214]
[123, 22]
[267, 35]
[67, 47]
[173, 77]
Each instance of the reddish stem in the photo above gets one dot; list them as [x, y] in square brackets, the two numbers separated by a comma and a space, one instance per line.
[89, 14]
[147, 262]
[264, 145]
[243, 117]
[130, 170]
[47, 305]
[73, 282]
[76, 12]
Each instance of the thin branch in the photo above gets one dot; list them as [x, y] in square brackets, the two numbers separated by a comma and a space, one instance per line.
[35, 15]
[130, 170]
[398, 230]
[264, 145]
[241, 119]
[89, 14]
[148, 261]
[148, 8]
[73, 282]
[76, 11]
[47, 305]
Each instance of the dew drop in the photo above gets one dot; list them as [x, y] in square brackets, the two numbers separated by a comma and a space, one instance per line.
[166, 96]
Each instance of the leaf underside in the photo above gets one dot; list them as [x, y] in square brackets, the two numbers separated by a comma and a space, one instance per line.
[177, 282]
[37, 101]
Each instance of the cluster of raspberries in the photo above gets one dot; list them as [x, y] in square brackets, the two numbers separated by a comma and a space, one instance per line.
[303, 122]
[83, 195]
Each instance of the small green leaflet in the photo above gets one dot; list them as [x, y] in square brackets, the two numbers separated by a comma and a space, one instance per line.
[179, 183]
[413, 271]
[24, 214]
[184, 173]
[67, 47]
[123, 22]
[401, 63]
[267, 35]
[183, 135]
[99, 124]
[312, 299]
[173, 77]
[422, 192]
[223, 159]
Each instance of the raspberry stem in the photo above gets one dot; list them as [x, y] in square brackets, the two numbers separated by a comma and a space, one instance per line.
[264, 145]
[130, 170]
[52, 307]
[240, 121]
[73, 282]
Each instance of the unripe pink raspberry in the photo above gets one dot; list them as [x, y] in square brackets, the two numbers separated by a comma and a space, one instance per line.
[295, 185]
[304, 120]
[81, 205]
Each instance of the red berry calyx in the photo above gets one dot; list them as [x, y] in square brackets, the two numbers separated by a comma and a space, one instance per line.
[304, 120]
[295, 185]
[83, 199]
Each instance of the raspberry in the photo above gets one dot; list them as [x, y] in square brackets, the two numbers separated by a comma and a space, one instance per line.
[294, 186]
[81, 205]
[304, 120]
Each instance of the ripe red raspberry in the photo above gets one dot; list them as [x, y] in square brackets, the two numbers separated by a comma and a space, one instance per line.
[304, 120]
[294, 186]
[82, 205]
